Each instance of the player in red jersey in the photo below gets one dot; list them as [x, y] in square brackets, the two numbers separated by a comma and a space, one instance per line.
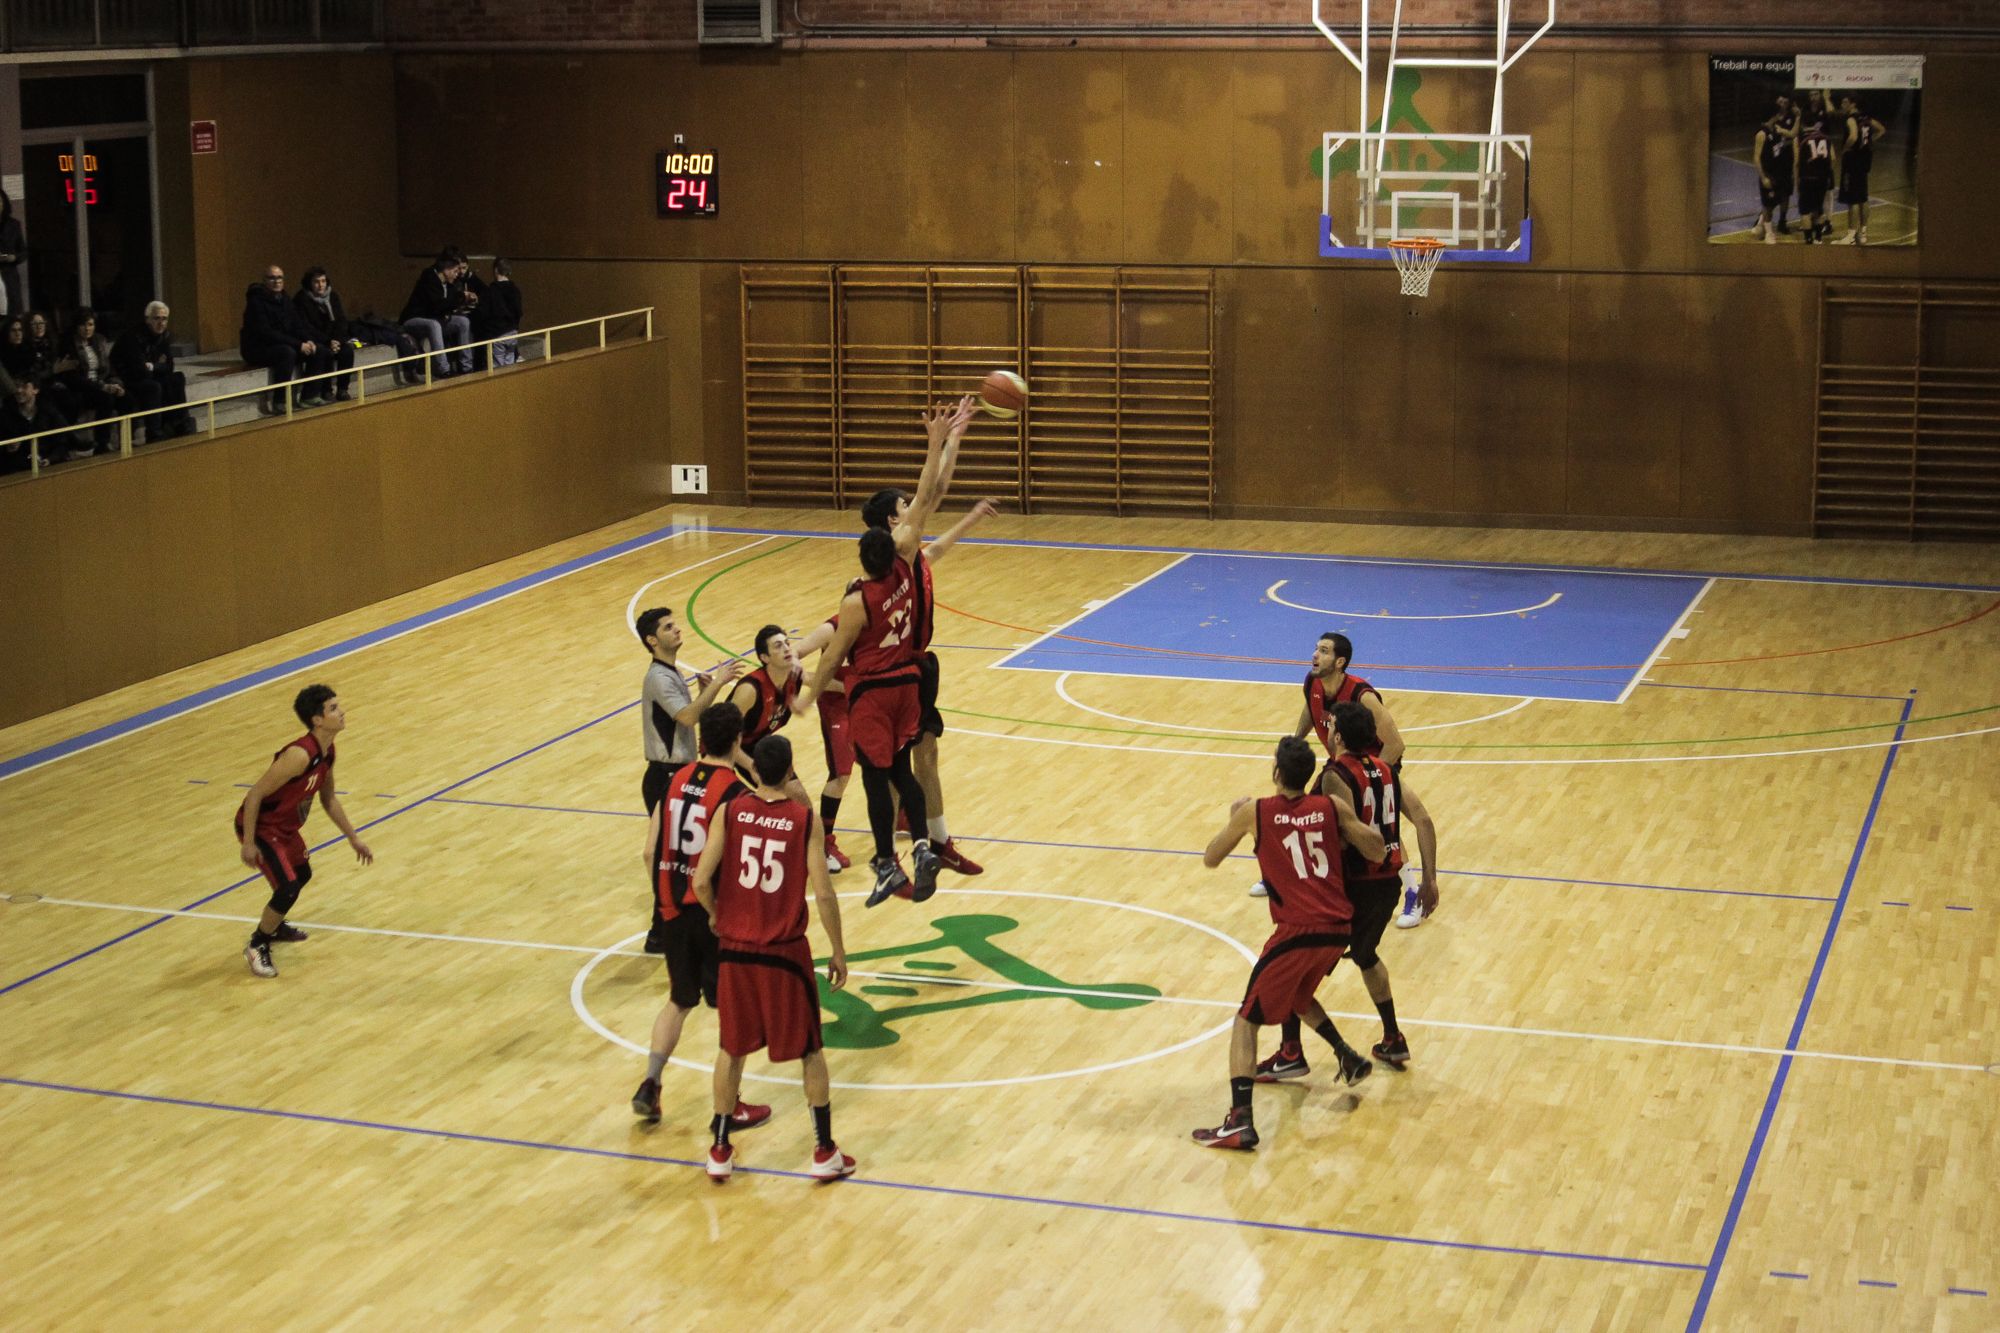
[1377, 794]
[835, 738]
[1297, 839]
[877, 631]
[752, 878]
[886, 509]
[675, 835]
[1328, 683]
[269, 838]
[766, 696]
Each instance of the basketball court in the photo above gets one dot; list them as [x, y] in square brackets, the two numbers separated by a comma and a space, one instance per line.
[1706, 940]
[1704, 1031]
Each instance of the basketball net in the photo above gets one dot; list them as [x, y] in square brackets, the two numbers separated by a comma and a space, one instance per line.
[1416, 259]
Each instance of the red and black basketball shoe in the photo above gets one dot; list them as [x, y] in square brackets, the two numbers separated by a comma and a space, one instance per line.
[830, 1163]
[1287, 1062]
[721, 1161]
[954, 860]
[1235, 1131]
[1393, 1052]
[748, 1115]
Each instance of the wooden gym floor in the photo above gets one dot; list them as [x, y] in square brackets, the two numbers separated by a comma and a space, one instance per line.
[1705, 1030]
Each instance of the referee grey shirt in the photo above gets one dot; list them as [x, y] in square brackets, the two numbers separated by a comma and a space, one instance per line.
[663, 696]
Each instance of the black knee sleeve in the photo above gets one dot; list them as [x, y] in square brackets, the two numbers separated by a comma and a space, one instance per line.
[912, 793]
[881, 808]
[282, 898]
[1364, 955]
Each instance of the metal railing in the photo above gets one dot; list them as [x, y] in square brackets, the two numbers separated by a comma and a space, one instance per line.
[290, 389]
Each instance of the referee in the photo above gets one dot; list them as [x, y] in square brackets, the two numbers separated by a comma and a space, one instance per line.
[668, 712]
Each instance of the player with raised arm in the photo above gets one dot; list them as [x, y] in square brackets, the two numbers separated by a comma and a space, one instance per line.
[761, 857]
[676, 832]
[1361, 782]
[884, 510]
[274, 810]
[877, 629]
[1297, 837]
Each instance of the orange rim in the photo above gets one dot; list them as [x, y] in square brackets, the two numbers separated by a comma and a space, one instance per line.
[1420, 244]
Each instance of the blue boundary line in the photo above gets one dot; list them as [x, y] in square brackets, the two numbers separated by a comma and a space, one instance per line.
[33, 759]
[1394, 560]
[1184, 851]
[864, 1182]
[1763, 1130]
[306, 661]
[251, 879]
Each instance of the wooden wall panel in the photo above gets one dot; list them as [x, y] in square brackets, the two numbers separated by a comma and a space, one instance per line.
[1069, 111]
[34, 626]
[1639, 192]
[855, 174]
[267, 196]
[193, 594]
[1624, 436]
[1280, 107]
[1510, 359]
[1178, 201]
[1746, 438]
[1541, 102]
[964, 188]
[1285, 417]
[275, 527]
[1391, 374]
[101, 547]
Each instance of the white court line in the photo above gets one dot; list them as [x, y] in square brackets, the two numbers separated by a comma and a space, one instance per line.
[1271, 594]
[1723, 1048]
[1092, 609]
[1498, 763]
[1285, 684]
[1660, 647]
[1417, 562]
[1062, 682]
[632, 607]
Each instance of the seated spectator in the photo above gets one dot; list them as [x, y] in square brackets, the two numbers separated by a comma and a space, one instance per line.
[85, 381]
[275, 337]
[435, 314]
[319, 306]
[42, 343]
[17, 358]
[144, 359]
[25, 414]
[500, 314]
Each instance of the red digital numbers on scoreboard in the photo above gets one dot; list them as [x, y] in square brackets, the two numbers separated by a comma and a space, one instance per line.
[685, 180]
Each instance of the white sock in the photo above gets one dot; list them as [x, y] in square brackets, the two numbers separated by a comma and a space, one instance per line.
[936, 825]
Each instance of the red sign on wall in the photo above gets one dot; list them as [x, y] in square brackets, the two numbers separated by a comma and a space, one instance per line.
[203, 133]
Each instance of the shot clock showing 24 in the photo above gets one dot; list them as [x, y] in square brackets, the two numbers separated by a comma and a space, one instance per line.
[686, 182]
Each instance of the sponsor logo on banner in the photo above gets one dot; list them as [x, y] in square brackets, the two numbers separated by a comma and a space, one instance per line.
[1860, 71]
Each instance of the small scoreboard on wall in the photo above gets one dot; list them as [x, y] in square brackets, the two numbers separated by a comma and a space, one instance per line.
[686, 180]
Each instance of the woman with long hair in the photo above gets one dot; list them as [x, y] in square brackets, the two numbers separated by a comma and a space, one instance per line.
[85, 377]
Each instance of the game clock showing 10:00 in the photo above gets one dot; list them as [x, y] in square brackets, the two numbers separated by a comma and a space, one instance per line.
[686, 180]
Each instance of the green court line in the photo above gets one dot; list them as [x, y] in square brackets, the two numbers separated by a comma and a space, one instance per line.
[695, 596]
[695, 625]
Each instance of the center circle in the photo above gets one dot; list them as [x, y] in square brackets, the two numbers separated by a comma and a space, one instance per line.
[592, 1022]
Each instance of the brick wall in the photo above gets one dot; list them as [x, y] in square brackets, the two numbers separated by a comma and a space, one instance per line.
[656, 21]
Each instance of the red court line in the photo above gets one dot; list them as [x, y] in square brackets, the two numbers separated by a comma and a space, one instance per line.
[1962, 621]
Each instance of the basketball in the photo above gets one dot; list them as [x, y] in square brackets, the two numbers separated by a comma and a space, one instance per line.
[1003, 394]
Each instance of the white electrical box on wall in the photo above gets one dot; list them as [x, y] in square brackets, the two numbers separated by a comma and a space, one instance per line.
[690, 479]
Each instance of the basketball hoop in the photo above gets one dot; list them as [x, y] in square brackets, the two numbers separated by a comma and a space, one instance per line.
[1416, 259]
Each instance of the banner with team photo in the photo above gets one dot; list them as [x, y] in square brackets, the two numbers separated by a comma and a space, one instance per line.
[1813, 149]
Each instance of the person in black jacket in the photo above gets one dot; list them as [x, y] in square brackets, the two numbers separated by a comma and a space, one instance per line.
[319, 306]
[23, 415]
[274, 336]
[435, 315]
[500, 313]
[145, 356]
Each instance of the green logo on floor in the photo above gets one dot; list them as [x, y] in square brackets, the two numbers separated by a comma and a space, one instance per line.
[859, 1025]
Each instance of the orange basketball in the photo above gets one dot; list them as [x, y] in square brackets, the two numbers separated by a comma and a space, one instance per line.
[1003, 394]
